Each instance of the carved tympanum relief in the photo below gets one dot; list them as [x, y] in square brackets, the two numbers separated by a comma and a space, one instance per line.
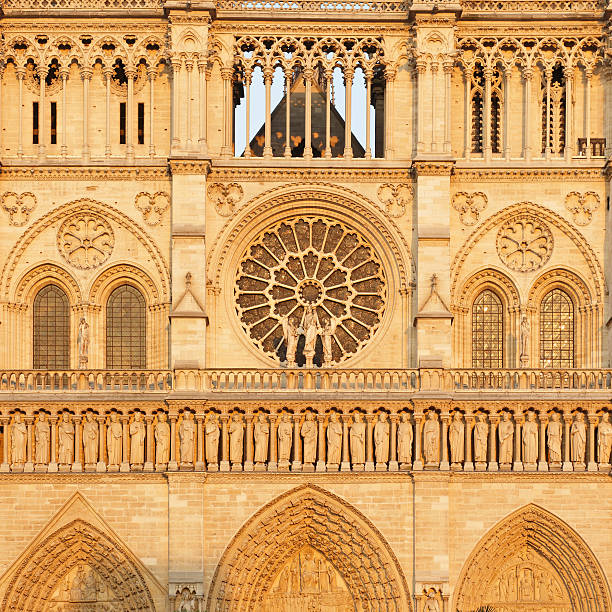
[395, 198]
[524, 243]
[225, 197]
[309, 289]
[18, 207]
[527, 582]
[84, 590]
[582, 206]
[85, 240]
[308, 582]
[152, 206]
[469, 206]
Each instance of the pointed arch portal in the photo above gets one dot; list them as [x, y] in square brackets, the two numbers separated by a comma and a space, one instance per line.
[532, 560]
[308, 532]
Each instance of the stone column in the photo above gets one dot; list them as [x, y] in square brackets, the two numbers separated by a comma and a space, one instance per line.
[567, 458]
[176, 101]
[393, 465]
[542, 463]
[468, 465]
[20, 72]
[518, 420]
[42, 136]
[321, 463]
[86, 74]
[346, 461]
[248, 464]
[149, 465]
[224, 466]
[444, 465]
[308, 76]
[199, 466]
[188, 109]
[101, 466]
[108, 73]
[152, 73]
[527, 77]
[369, 465]
[29, 464]
[592, 464]
[348, 90]
[172, 464]
[203, 141]
[417, 463]
[125, 463]
[296, 466]
[267, 150]
[507, 114]
[494, 421]
[273, 463]
[77, 466]
[53, 457]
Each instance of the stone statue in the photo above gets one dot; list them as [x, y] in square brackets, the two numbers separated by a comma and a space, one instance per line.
[357, 439]
[83, 342]
[578, 438]
[530, 439]
[604, 445]
[309, 433]
[311, 330]
[431, 438]
[334, 439]
[554, 432]
[186, 434]
[262, 435]
[137, 439]
[381, 438]
[212, 439]
[285, 437]
[525, 331]
[327, 333]
[65, 432]
[481, 436]
[186, 601]
[114, 435]
[42, 435]
[404, 439]
[456, 436]
[290, 335]
[90, 439]
[19, 440]
[162, 440]
[236, 435]
[505, 432]
[431, 603]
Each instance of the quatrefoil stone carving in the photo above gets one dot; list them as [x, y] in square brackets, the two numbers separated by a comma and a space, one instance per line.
[582, 206]
[152, 206]
[469, 206]
[18, 207]
[395, 198]
[225, 197]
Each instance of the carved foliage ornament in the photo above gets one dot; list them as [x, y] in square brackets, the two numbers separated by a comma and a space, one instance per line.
[18, 207]
[469, 206]
[308, 264]
[396, 198]
[524, 243]
[225, 197]
[582, 206]
[85, 240]
[152, 206]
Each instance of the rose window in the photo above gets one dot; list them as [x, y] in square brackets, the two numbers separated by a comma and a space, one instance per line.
[524, 243]
[304, 267]
[85, 240]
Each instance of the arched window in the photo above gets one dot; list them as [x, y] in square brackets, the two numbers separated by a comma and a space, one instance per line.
[125, 329]
[487, 331]
[557, 330]
[51, 329]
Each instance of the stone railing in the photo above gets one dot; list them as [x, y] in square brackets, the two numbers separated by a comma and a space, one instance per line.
[531, 6]
[386, 437]
[79, 5]
[315, 6]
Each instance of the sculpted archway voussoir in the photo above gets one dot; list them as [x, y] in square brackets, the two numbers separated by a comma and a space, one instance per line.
[120, 273]
[487, 277]
[41, 274]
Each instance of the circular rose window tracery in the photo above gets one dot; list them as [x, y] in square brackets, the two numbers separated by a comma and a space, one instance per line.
[318, 277]
[85, 240]
[524, 243]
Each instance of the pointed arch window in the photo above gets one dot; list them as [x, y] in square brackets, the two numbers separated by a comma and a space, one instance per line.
[487, 331]
[557, 330]
[125, 329]
[51, 329]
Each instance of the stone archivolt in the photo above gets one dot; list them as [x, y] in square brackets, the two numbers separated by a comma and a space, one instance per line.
[532, 560]
[250, 568]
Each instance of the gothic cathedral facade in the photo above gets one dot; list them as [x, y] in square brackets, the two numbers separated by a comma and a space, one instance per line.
[304, 306]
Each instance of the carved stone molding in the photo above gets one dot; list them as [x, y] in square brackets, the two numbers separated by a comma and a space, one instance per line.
[18, 207]
[469, 206]
[189, 166]
[152, 206]
[225, 197]
[433, 168]
[296, 174]
[59, 173]
[530, 175]
[582, 206]
[396, 198]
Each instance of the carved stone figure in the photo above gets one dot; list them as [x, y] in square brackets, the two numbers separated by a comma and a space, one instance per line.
[505, 432]
[212, 439]
[357, 439]
[42, 436]
[290, 335]
[90, 439]
[236, 435]
[137, 439]
[334, 439]
[83, 342]
[186, 434]
[19, 440]
[381, 438]
[311, 330]
[262, 435]
[309, 434]
[186, 601]
[162, 440]
[65, 432]
[530, 439]
[578, 438]
[481, 436]
[456, 436]
[431, 438]
[525, 331]
[285, 437]
[431, 603]
[404, 439]
[114, 435]
[327, 333]
[554, 432]
[604, 444]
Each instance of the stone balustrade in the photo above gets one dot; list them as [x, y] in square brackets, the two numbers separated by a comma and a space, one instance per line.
[276, 438]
